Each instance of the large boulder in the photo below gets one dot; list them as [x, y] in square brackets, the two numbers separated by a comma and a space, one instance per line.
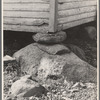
[50, 38]
[29, 57]
[43, 61]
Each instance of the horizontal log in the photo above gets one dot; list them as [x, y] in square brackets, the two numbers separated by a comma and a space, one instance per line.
[25, 21]
[75, 17]
[75, 23]
[66, 1]
[76, 11]
[26, 14]
[73, 5]
[45, 28]
[25, 28]
[26, 1]
[26, 7]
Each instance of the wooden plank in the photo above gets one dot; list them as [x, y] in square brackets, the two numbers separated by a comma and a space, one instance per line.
[75, 23]
[26, 14]
[25, 28]
[75, 17]
[73, 5]
[26, 1]
[26, 7]
[66, 1]
[76, 11]
[53, 15]
[25, 21]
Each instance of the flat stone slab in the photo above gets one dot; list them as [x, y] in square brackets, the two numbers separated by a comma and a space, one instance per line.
[50, 38]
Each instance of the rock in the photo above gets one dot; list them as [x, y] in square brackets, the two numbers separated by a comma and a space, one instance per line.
[78, 51]
[53, 49]
[92, 32]
[90, 85]
[44, 61]
[68, 65]
[50, 38]
[22, 85]
[29, 57]
[8, 58]
[36, 91]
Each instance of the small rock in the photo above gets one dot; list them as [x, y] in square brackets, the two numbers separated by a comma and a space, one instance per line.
[22, 85]
[8, 58]
[77, 84]
[36, 91]
[64, 93]
[62, 90]
[10, 82]
[58, 93]
[74, 90]
[31, 98]
[66, 98]
[90, 85]
[8, 97]
[78, 51]
[92, 32]
[71, 95]
[48, 93]
[50, 38]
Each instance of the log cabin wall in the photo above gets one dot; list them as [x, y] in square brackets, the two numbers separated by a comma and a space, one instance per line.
[75, 12]
[47, 15]
[26, 15]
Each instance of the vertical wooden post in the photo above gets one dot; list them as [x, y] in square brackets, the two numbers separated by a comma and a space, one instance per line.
[53, 15]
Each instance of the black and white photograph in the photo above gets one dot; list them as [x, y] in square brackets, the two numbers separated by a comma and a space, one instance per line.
[50, 49]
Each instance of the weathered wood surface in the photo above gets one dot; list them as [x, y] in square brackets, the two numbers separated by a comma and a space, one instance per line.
[26, 1]
[26, 28]
[75, 23]
[47, 15]
[41, 1]
[53, 15]
[26, 7]
[76, 11]
[25, 21]
[66, 1]
[73, 5]
[26, 14]
[75, 17]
